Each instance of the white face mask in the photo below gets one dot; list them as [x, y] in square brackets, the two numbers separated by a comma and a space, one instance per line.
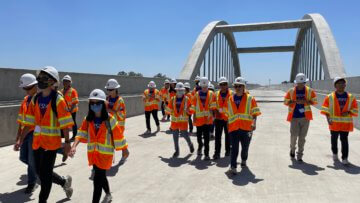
[180, 92]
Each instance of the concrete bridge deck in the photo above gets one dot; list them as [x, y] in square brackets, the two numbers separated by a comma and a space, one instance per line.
[151, 175]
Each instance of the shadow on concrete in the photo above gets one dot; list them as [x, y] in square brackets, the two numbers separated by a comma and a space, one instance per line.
[309, 169]
[148, 135]
[201, 164]
[351, 168]
[169, 132]
[23, 180]
[114, 169]
[176, 162]
[59, 165]
[222, 162]
[244, 177]
[16, 196]
[63, 200]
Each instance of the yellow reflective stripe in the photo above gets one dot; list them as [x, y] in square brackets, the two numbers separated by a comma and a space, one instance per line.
[331, 104]
[121, 123]
[120, 143]
[307, 108]
[48, 131]
[149, 103]
[351, 98]
[29, 120]
[179, 119]
[248, 104]
[65, 121]
[113, 123]
[239, 116]
[83, 134]
[103, 149]
[20, 118]
[342, 119]
[202, 114]
[255, 110]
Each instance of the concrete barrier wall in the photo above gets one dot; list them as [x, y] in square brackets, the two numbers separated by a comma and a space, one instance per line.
[82, 82]
[324, 87]
[8, 116]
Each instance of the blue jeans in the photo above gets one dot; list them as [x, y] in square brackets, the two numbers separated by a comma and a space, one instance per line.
[27, 156]
[244, 137]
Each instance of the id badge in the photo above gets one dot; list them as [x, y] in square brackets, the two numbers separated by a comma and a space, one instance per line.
[302, 110]
[37, 129]
[220, 110]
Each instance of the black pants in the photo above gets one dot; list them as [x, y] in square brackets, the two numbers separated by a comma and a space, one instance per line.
[244, 137]
[221, 125]
[203, 131]
[100, 183]
[163, 108]
[44, 163]
[155, 116]
[344, 143]
[75, 126]
[191, 127]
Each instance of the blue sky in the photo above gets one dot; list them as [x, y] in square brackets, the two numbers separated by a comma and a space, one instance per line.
[156, 36]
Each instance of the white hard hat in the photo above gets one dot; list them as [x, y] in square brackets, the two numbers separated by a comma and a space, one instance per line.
[211, 86]
[204, 82]
[51, 71]
[166, 81]
[300, 78]
[67, 77]
[187, 85]
[339, 78]
[180, 86]
[27, 80]
[173, 81]
[152, 84]
[239, 81]
[197, 78]
[97, 94]
[223, 80]
[112, 84]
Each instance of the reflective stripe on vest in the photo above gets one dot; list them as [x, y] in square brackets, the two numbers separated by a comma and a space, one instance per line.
[331, 109]
[242, 116]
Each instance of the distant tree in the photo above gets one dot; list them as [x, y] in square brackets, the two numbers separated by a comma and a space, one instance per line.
[139, 75]
[122, 73]
[159, 75]
[132, 74]
[285, 82]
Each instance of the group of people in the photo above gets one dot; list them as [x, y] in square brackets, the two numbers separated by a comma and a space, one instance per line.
[46, 116]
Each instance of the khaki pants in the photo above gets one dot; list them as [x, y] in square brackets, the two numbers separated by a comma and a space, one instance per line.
[298, 130]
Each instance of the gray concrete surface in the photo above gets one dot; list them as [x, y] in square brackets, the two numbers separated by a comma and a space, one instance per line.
[150, 175]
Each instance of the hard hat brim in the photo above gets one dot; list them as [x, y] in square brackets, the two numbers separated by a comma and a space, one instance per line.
[96, 98]
[28, 85]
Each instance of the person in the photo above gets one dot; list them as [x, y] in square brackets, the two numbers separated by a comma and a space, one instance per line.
[242, 112]
[179, 108]
[101, 132]
[28, 83]
[72, 99]
[48, 116]
[164, 94]
[298, 100]
[212, 126]
[339, 107]
[189, 95]
[197, 86]
[222, 97]
[172, 90]
[115, 105]
[203, 104]
[151, 100]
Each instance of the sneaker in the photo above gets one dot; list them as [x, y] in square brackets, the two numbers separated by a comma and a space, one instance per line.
[212, 137]
[192, 148]
[67, 186]
[300, 160]
[30, 188]
[207, 158]
[243, 164]
[227, 154]
[199, 151]
[163, 119]
[216, 156]
[345, 162]
[176, 154]
[292, 154]
[232, 171]
[107, 198]
[147, 132]
[335, 157]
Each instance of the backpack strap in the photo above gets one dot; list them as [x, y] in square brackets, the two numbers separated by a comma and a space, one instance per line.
[108, 126]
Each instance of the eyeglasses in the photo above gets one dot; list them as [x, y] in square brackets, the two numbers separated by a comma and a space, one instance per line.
[43, 79]
[238, 86]
[28, 88]
[95, 103]
[110, 90]
[223, 84]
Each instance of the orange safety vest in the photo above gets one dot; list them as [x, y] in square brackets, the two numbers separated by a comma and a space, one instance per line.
[47, 132]
[119, 108]
[189, 95]
[164, 94]
[151, 102]
[242, 117]
[71, 97]
[22, 113]
[101, 145]
[203, 112]
[221, 105]
[179, 117]
[331, 108]
[310, 95]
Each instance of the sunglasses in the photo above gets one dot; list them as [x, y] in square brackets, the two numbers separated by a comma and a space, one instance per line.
[43, 79]
[223, 84]
[95, 103]
[110, 90]
[28, 88]
[238, 86]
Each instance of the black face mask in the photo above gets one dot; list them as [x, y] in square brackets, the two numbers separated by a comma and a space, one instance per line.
[43, 85]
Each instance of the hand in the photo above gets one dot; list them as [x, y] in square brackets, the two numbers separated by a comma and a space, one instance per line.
[329, 120]
[67, 148]
[72, 151]
[253, 127]
[17, 145]
[301, 101]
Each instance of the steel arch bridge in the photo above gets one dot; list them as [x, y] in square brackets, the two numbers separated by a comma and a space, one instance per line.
[315, 52]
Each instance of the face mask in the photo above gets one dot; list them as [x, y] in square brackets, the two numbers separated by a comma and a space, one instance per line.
[96, 107]
[43, 85]
[180, 92]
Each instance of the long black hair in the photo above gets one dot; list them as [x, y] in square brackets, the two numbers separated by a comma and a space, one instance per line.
[104, 114]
